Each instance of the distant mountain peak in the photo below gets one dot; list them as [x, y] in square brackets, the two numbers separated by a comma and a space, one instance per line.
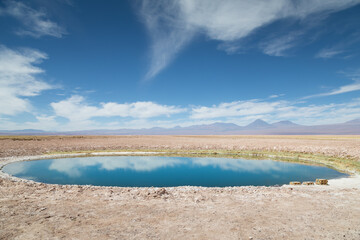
[30, 130]
[258, 123]
[223, 124]
[258, 126]
[217, 126]
[357, 120]
[285, 124]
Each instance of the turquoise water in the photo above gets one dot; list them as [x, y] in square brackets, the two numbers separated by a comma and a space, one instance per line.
[135, 171]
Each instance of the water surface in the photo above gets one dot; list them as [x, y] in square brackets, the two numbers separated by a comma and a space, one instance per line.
[136, 171]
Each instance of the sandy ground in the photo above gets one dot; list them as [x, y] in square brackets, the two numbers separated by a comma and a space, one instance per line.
[339, 146]
[30, 210]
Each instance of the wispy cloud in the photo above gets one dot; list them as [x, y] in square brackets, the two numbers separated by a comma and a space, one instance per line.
[328, 53]
[76, 108]
[276, 95]
[168, 31]
[279, 46]
[173, 24]
[243, 112]
[355, 86]
[346, 46]
[19, 79]
[237, 108]
[35, 22]
[343, 89]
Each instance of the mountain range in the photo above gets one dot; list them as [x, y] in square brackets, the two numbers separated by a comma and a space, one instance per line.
[258, 127]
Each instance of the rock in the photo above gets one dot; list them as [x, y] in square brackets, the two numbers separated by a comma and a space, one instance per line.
[308, 183]
[161, 191]
[42, 209]
[321, 181]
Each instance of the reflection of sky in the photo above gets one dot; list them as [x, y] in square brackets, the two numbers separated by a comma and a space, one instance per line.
[158, 171]
[32, 178]
[238, 165]
[16, 168]
[72, 166]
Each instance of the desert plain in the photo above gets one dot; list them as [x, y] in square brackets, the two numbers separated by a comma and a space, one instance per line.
[31, 210]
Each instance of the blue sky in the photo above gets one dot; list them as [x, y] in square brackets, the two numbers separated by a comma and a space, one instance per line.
[76, 65]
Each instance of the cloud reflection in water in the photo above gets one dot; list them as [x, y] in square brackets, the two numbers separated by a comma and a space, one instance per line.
[73, 166]
[17, 168]
[240, 165]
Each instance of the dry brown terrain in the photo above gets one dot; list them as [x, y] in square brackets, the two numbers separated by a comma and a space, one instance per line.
[340, 146]
[39, 211]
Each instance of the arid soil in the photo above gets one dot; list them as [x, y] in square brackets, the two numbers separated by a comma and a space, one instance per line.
[338, 146]
[31, 210]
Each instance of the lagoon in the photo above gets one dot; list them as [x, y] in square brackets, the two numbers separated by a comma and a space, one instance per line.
[157, 171]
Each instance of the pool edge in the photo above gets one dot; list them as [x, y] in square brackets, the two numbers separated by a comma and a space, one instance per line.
[348, 182]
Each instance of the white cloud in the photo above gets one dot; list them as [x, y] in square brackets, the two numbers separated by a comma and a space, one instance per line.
[18, 79]
[160, 18]
[243, 112]
[238, 108]
[278, 46]
[346, 47]
[75, 108]
[321, 114]
[355, 86]
[239, 112]
[343, 89]
[328, 53]
[276, 95]
[35, 22]
[42, 122]
[173, 24]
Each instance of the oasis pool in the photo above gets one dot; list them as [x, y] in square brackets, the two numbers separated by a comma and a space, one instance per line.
[144, 171]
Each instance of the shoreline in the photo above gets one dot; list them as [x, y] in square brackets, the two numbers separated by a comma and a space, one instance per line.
[352, 181]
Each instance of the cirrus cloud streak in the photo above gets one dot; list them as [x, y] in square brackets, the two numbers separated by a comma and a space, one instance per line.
[173, 24]
[35, 22]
